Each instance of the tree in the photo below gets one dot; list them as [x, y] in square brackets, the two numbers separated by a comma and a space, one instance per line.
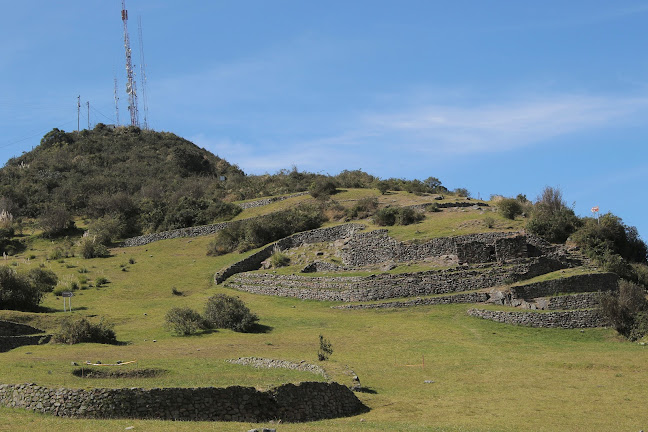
[325, 349]
[433, 183]
[509, 208]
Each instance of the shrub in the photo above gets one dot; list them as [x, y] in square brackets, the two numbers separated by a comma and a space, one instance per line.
[626, 309]
[433, 208]
[397, 216]
[322, 188]
[44, 280]
[279, 259]
[73, 331]
[100, 281]
[90, 247]
[325, 349]
[183, 321]
[252, 233]
[223, 311]
[55, 220]
[383, 187]
[364, 208]
[489, 222]
[462, 192]
[18, 292]
[509, 208]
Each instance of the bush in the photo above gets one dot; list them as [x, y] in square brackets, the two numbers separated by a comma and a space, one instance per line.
[223, 311]
[73, 331]
[432, 208]
[325, 349]
[89, 247]
[18, 292]
[44, 280]
[397, 216]
[364, 208]
[461, 192]
[509, 208]
[489, 222]
[279, 259]
[183, 321]
[383, 187]
[253, 233]
[322, 188]
[100, 281]
[626, 309]
[55, 220]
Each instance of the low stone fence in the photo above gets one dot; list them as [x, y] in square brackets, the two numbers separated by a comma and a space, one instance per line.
[265, 201]
[177, 233]
[458, 204]
[253, 262]
[306, 401]
[266, 363]
[479, 297]
[565, 319]
[591, 282]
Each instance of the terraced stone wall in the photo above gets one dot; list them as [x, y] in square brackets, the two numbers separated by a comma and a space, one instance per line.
[564, 319]
[306, 401]
[592, 282]
[375, 247]
[266, 201]
[386, 286]
[178, 233]
[253, 262]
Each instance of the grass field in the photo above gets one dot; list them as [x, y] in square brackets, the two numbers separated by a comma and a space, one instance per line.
[485, 376]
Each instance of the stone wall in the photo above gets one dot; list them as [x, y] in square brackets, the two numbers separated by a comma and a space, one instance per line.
[386, 286]
[306, 401]
[182, 232]
[458, 204]
[592, 282]
[266, 201]
[253, 262]
[266, 363]
[478, 297]
[564, 319]
[571, 301]
[376, 247]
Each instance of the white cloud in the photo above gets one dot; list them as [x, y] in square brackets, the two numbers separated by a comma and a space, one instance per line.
[502, 126]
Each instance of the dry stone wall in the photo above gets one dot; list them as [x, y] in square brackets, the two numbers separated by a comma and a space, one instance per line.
[591, 282]
[570, 301]
[253, 262]
[306, 401]
[178, 233]
[564, 319]
[478, 297]
[265, 201]
[376, 247]
[386, 286]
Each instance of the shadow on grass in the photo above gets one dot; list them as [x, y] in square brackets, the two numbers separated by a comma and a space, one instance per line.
[260, 328]
[365, 390]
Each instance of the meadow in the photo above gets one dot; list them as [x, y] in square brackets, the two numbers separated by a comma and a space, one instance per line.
[427, 368]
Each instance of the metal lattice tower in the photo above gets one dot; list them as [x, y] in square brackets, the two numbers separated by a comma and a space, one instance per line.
[116, 104]
[142, 72]
[131, 87]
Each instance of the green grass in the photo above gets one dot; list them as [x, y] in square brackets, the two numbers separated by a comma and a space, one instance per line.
[487, 376]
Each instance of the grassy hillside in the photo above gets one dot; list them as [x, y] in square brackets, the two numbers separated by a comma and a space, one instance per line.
[486, 376]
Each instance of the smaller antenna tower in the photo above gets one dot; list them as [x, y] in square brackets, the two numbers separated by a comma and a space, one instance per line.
[116, 104]
[78, 113]
[142, 72]
[130, 84]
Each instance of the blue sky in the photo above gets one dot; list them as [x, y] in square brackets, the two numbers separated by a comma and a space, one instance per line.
[499, 97]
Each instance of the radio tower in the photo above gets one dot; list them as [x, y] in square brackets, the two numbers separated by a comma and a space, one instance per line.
[116, 104]
[131, 88]
[142, 72]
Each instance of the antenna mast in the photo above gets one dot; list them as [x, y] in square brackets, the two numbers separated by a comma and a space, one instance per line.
[130, 84]
[116, 104]
[142, 72]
